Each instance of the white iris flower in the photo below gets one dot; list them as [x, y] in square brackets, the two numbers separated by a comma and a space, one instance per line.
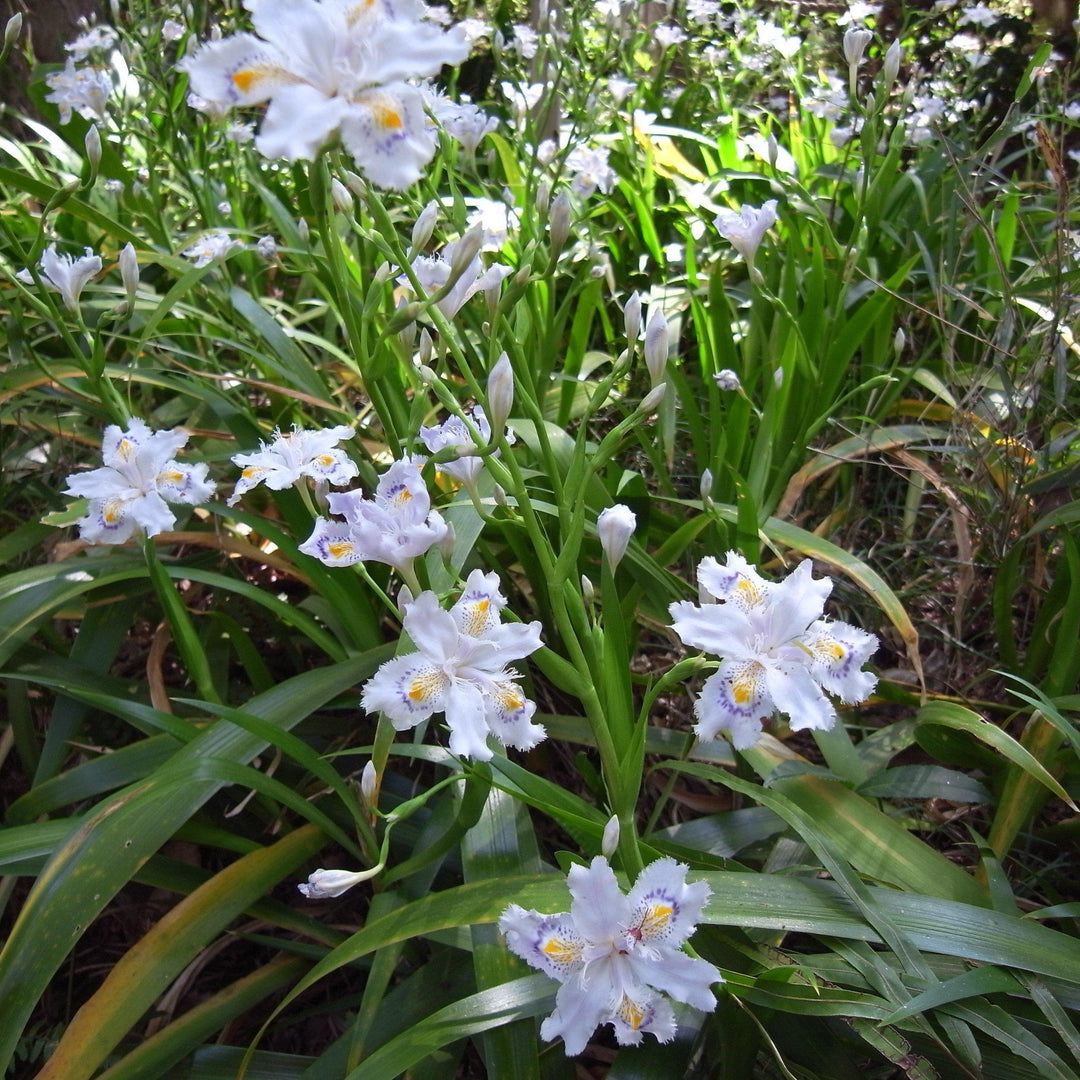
[435, 272]
[292, 454]
[616, 955]
[394, 527]
[777, 653]
[453, 432]
[65, 274]
[85, 90]
[138, 480]
[746, 229]
[333, 68]
[460, 669]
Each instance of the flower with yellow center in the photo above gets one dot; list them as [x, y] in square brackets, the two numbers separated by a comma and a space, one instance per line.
[617, 954]
[290, 455]
[394, 527]
[137, 481]
[460, 669]
[334, 68]
[777, 653]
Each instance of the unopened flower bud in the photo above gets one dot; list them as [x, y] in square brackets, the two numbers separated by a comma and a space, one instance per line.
[610, 842]
[855, 42]
[546, 151]
[727, 379]
[341, 197]
[427, 347]
[772, 148]
[304, 230]
[543, 198]
[466, 249]
[559, 222]
[778, 377]
[891, 68]
[12, 31]
[656, 345]
[448, 542]
[632, 318]
[355, 183]
[427, 374]
[266, 246]
[224, 208]
[653, 398]
[383, 273]
[500, 395]
[324, 884]
[705, 486]
[424, 227]
[129, 272]
[499, 495]
[588, 590]
[404, 597]
[368, 783]
[615, 526]
[899, 340]
[92, 141]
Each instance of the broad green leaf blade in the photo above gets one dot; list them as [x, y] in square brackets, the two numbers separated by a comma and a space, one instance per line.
[521, 999]
[975, 983]
[949, 714]
[147, 968]
[109, 844]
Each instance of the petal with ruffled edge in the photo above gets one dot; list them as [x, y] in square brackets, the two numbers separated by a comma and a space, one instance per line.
[636, 1015]
[307, 33]
[321, 459]
[683, 977]
[140, 444]
[401, 491]
[259, 467]
[152, 512]
[432, 630]
[795, 603]
[600, 909]
[238, 70]
[332, 543]
[407, 48]
[185, 483]
[550, 943]
[722, 629]
[580, 1009]
[69, 275]
[509, 713]
[734, 699]
[408, 689]
[106, 522]
[299, 122]
[465, 716]
[735, 581]
[477, 609]
[794, 691]
[103, 483]
[665, 908]
[389, 135]
[839, 652]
